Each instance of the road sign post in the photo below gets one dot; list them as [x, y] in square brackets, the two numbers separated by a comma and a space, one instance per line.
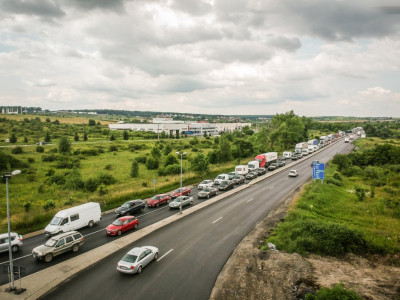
[319, 171]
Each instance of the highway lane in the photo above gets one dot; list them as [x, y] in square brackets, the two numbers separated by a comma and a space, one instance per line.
[196, 247]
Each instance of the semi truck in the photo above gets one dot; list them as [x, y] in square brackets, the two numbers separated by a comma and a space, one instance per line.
[312, 142]
[300, 146]
[266, 159]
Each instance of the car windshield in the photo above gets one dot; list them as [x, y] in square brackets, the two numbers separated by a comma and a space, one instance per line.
[204, 182]
[129, 258]
[220, 177]
[51, 242]
[56, 221]
[206, 190]
[178, 190]
[118, 222]
[224, 182]
[125, 205]
[179, 199]
[155, 197]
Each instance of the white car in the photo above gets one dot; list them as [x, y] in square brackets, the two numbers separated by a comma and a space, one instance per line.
[220, 178]
[186, 200]
[293, 173]
[136, 259]
[205, 184]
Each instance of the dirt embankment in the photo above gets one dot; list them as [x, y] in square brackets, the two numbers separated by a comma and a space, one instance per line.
[251, 273]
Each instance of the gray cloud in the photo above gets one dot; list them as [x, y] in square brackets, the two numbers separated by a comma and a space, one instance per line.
[43, 8]
[193, 7]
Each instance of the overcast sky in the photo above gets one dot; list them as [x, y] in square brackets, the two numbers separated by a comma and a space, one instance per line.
[316, 57]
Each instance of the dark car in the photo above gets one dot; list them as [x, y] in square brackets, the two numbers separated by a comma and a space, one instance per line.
[130, 207]
[273, 166]
[207, 193]
[280, 163]
[226, 185]
[314, 162]
[251, 175]
[295, 157]
[260, 171]
[238, 179]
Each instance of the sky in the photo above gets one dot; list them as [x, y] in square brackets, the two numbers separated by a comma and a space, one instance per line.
[247, 57]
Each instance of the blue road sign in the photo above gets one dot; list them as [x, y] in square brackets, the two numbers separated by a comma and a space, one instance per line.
[318, 171]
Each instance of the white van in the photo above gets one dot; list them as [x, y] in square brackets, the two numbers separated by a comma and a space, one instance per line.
[254, 164]
[74, 218]
[242, 169]
[304, 152]
[221, 177]
[287, 154]
[310, 149]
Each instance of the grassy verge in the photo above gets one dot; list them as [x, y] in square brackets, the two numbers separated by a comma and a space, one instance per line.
[330, 219]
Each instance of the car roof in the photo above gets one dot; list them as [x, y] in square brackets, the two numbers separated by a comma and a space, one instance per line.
[137, 250]
[3, 235]
[126, 218]
[64, 234]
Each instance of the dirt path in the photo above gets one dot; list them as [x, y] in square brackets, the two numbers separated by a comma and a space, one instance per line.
[251, 273]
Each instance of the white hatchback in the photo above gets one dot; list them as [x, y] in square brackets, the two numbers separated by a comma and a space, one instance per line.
[205, 184]
[293, 173]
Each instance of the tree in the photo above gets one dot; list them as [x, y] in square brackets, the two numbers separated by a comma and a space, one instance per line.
[200, 164]
[135, 169]
[170, 160]
[225, 149]
[13, 138]
[167, 149]
[112, 137]
[155, 152]
[64, 146]
[126, 135]
[47, 137]
[92, 122]
[152, 163]
[85, 136]
[76, 137]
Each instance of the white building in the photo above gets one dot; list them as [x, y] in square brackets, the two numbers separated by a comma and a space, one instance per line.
[169, 126]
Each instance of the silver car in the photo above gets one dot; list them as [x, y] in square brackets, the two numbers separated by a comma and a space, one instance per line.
[186, 200]
[205, 184]
[136, 259]
[16, 242]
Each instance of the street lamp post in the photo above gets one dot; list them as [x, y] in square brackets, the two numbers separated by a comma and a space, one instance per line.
[8, 175]
[180, 205]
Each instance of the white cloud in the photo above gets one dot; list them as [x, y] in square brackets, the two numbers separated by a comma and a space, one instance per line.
[223, 56]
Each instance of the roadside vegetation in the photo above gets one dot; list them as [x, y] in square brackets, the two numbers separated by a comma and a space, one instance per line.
[355, 210]
[82, 160]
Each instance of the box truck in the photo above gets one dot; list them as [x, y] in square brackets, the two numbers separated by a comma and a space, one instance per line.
[312, 142]
[242, 169]
[300, 146]
[287, 154]
[74, 218]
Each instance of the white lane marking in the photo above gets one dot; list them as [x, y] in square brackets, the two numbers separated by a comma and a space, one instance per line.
[217, 220]
[165, 255]
[271, 187]
[249, 200]
[6, 262]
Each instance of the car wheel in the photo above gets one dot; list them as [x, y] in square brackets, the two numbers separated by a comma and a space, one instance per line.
[90, 225]
[139, 270]
[142, 208]
[158, 205]
[48, 257]
[75, 248]
[119, 232]
[191, 202]
[136, 226]
[14, 248]
[156, 256]
[208, 196]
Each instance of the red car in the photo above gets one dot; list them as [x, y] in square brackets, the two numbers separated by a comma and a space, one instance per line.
[156, 200]
[177, 192]
[121, 225]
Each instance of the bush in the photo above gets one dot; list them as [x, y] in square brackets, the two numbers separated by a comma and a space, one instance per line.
[106, 179]
[171, 159]
[49, 158]
[337, 292]
[360, 193]
[27, 206]
[113, 148]
[152, 163]
[49, 204]
[135, 169]
[103, 190]
[108, 167]
[31, 160]
[73, 180]
[58, 179]
[142, 159]
[337, 176]
[17, 150]
[170, 170]
[39, 149]
[50, 172]
[334, 181]
[91, 184]
[352, 171]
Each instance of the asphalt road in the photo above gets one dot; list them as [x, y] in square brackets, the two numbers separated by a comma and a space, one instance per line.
[194, 249]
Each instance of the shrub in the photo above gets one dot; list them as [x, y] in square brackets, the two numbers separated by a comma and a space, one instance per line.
[73, 180]
[135, 169]
[103, 190]
[337, 176]
[64, 145]
[49, 158]
[31, 160]
[142, 159]
[50, 172]
[27, 206]
[113, 148]
[39, 149]
[352, 171]
[334, 181]
[17, 150]
[49, 204]
[337, 292]
[170, 170]
[152, 163]
[108, 167]
[171, 159]
[106, 179]
[195, 149]
[77, 152]
[91, 184]
[58, 179]
[69, 201]
[360, 193]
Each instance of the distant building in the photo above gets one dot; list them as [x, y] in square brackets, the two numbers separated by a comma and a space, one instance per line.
[170, 126]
